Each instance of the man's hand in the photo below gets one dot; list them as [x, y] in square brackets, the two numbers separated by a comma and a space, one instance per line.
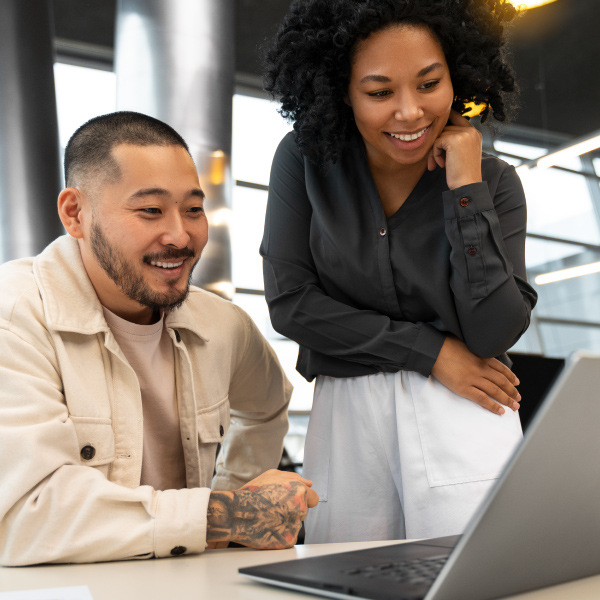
[485, 381]
[266, 513]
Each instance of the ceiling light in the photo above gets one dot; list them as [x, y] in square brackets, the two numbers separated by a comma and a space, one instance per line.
[568, 273]
[577, 148]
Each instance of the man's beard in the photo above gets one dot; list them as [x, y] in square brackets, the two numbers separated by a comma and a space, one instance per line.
[132, 284]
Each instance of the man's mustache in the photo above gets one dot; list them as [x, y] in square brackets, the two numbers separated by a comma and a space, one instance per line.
[170, 254]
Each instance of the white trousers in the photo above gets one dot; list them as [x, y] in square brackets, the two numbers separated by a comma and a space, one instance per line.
[398, 455]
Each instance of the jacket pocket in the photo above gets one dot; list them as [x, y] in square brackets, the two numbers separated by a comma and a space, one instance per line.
[213, 422]
[96, 440]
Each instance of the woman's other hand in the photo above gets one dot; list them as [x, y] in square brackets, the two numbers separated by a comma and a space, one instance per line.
[485, 381]
[458, 149]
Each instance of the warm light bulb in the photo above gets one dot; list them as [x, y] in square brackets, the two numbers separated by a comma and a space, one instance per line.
[218, 160]
[474, 109]
[527, 4]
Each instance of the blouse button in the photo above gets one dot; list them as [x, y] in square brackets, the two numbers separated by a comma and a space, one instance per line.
[464, 202]
[382, 231]
[472, 250]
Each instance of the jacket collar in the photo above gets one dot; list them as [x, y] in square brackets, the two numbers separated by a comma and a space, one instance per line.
[70, 301]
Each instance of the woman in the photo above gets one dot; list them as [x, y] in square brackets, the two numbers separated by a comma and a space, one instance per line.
[394, 255]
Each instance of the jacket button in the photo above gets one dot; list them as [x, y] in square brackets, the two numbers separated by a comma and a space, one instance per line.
[472, 250]
[178, 338]
[382, 231]
[178, 550]
[221, 430]
[464, 202]
[88, 452]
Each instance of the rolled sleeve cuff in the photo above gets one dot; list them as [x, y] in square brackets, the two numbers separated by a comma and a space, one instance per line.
[466, 201]
[425, 351]
[180, 521]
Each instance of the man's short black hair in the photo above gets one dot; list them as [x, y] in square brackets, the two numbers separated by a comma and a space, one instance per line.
[88, 153]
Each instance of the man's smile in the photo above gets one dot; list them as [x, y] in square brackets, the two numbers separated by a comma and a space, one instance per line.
[166, 265]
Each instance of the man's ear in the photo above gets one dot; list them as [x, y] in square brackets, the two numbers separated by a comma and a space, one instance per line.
[70, 207]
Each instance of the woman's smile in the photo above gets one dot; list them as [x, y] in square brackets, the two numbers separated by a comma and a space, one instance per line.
[409, 141]
[409, 137]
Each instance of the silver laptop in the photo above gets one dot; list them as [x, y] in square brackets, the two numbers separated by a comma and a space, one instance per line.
[539, 525]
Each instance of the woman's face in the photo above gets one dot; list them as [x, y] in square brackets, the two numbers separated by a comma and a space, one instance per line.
[401, 94]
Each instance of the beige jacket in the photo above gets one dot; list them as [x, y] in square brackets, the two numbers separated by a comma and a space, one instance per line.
[65, 385]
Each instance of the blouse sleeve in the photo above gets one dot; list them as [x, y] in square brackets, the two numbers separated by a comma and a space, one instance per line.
[299, 307]
[486, 231]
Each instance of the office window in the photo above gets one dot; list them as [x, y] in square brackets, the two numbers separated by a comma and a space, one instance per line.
[249, 206]
[81, 93]
[563, 232]
[257, 130]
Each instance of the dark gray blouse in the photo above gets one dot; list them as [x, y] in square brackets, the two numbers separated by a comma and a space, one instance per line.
[362, 293]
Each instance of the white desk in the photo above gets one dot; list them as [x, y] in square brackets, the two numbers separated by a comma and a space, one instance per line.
[212, 575]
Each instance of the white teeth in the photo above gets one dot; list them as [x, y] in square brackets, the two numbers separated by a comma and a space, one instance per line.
[410, 137]
[164, 265]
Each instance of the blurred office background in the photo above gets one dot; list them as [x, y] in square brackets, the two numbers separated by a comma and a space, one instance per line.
[194, 64]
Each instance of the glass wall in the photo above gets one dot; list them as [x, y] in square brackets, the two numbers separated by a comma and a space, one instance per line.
[257, 130]
[81, 94]
[563, 232]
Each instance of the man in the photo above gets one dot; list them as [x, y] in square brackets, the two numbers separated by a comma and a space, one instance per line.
[118, 380]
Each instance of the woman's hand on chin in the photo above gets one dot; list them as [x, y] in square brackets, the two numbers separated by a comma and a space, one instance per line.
[458, 150]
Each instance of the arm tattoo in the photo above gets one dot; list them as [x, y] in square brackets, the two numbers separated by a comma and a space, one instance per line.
[219, 516]
[268, 516]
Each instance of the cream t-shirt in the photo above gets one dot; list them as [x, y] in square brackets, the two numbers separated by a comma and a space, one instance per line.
[149, 351]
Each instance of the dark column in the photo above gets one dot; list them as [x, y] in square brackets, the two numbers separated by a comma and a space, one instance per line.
[174, 60]
[29, 153]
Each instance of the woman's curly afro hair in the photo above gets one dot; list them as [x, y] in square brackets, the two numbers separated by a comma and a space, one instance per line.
[308, 65]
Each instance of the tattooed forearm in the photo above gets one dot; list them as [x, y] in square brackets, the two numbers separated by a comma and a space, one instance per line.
[264, 516]
[219, 517]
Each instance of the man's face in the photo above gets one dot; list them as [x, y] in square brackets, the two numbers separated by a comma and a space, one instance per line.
[145, 232]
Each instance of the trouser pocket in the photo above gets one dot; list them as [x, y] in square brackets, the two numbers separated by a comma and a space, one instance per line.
[461, 441]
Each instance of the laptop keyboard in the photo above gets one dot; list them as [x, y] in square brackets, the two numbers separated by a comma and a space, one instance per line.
[417, 571]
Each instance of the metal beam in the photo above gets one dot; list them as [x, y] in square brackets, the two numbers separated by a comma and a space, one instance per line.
[29, 152]
[174, 60]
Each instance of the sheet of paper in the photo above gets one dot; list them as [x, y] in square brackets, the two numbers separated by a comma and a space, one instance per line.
[79, 592]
